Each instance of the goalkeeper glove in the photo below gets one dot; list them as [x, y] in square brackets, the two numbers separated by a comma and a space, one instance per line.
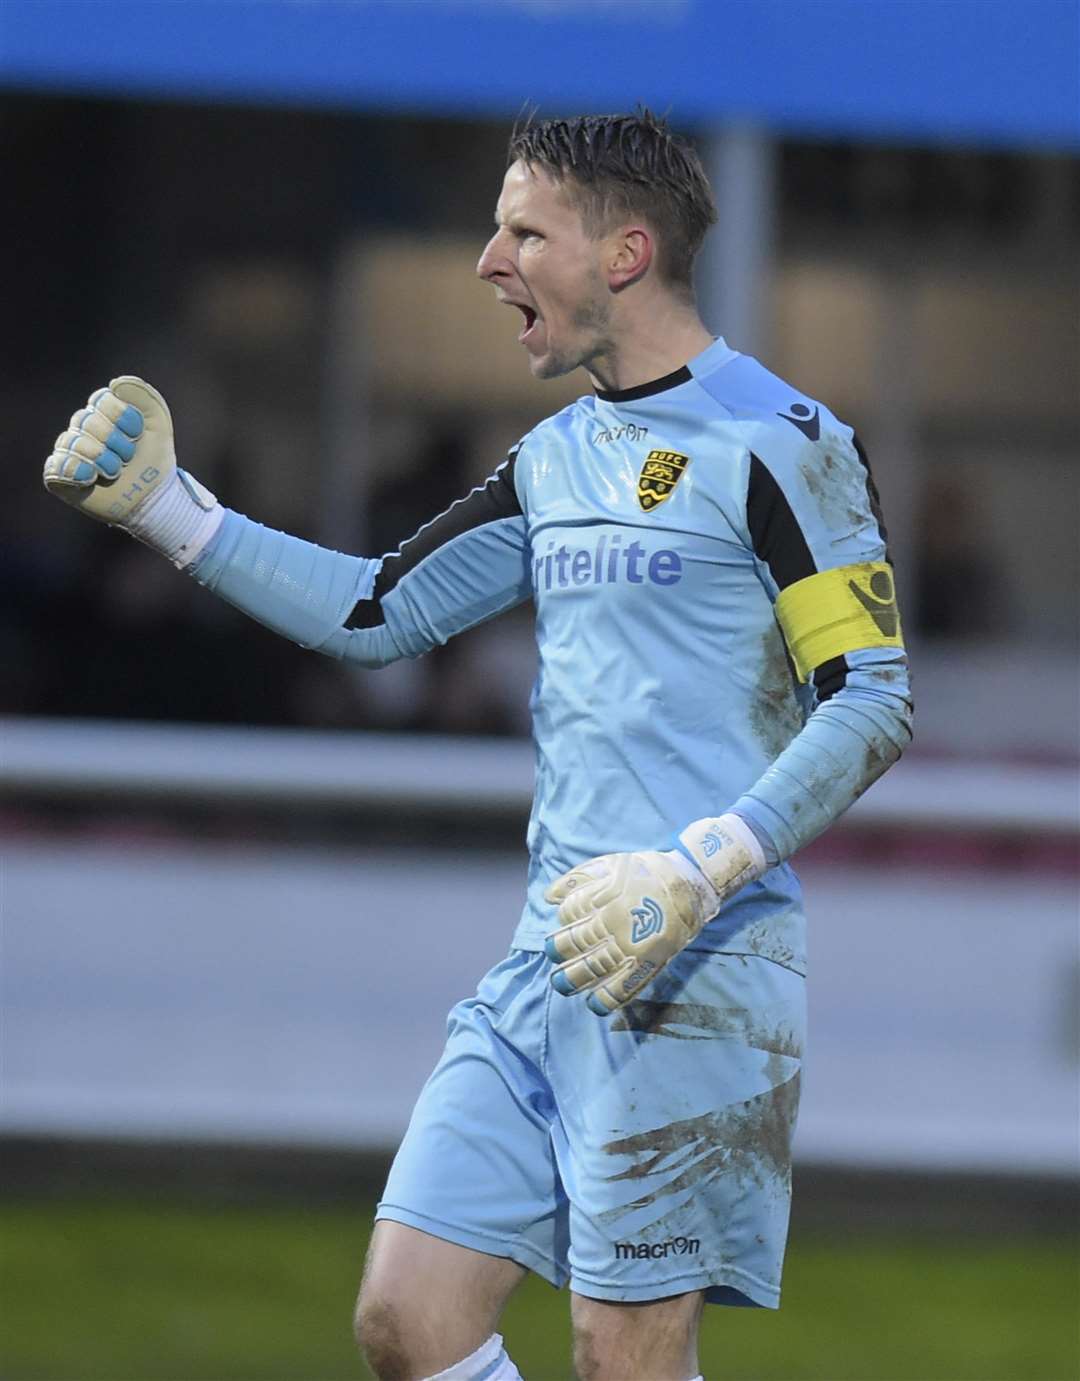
[624, 916]
[116, 462]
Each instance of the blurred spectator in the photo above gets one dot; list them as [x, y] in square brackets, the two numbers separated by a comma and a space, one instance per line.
[959, 587]
[479, 683]
[405, 495]
[141, 643]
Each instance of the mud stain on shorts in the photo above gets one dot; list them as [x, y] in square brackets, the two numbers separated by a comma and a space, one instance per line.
[680, 1021]
[695, 1021]
[749, 1140]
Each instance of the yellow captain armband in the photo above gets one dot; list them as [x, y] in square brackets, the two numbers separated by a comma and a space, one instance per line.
[837, 611]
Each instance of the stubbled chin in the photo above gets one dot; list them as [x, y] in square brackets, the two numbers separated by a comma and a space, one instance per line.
[550, 365]
[545, 366]
[545, 363]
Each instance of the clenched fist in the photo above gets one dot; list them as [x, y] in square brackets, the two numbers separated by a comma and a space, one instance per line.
[116, 462]
[115, 452]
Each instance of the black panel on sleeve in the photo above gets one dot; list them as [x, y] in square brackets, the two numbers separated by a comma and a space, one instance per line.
[872, 494]
[778, 539]
[830, 677]
[495, 499]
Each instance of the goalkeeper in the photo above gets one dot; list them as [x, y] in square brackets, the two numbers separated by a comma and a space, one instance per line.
[721, 673]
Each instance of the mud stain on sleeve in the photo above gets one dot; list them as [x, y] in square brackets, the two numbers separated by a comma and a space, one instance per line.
[775, 713]
[836, 481]
[877, 759]
[879, 756]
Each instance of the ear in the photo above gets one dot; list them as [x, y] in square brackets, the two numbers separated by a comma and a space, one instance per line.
[632, 251]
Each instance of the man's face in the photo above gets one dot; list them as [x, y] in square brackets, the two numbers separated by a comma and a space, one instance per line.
[541, 261]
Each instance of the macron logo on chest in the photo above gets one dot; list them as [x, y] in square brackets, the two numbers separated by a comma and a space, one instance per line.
[609, 561]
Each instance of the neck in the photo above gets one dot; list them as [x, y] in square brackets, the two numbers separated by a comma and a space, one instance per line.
[659, 339]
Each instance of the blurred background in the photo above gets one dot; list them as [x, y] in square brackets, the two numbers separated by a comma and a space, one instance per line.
[273, 212]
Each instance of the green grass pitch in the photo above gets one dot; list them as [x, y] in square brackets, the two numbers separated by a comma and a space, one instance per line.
[134, 1291]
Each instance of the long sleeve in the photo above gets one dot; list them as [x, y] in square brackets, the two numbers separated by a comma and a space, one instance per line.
[847, 743]
[814, 519]
[466, 565]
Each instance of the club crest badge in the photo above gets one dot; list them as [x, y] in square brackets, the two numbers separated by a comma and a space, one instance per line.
[659, 476]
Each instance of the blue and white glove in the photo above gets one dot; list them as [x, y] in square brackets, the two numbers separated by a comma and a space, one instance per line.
[624, 916]
[116, 462]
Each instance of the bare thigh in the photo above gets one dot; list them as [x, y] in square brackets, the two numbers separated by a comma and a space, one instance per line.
[655, 1340]
[426, 1303]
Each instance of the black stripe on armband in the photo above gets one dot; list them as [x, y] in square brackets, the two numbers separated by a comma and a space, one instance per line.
[488, 503]
[774, 530]
[830, 677]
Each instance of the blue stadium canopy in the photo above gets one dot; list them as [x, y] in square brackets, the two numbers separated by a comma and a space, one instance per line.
[999, 72]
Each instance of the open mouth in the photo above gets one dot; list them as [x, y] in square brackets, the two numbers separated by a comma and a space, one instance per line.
[530, 319]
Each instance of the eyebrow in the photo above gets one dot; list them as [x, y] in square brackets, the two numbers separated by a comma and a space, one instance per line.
[513, 222]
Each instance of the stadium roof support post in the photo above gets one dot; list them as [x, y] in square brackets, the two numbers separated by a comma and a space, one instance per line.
[894, 426]
[344, 423]
[737, 263]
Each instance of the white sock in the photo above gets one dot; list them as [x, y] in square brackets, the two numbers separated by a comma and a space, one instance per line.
[488, 1363]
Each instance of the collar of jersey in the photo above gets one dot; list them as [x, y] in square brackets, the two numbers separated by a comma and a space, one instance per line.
[710, 358]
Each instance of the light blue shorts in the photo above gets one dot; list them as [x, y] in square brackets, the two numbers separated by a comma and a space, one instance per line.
[635, 1156]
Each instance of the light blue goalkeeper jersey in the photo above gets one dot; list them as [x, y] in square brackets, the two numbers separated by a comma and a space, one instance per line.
[710, 574]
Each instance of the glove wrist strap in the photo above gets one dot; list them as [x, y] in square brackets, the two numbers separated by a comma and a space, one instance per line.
[726, 850]
[707, 895]
[178, 519]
